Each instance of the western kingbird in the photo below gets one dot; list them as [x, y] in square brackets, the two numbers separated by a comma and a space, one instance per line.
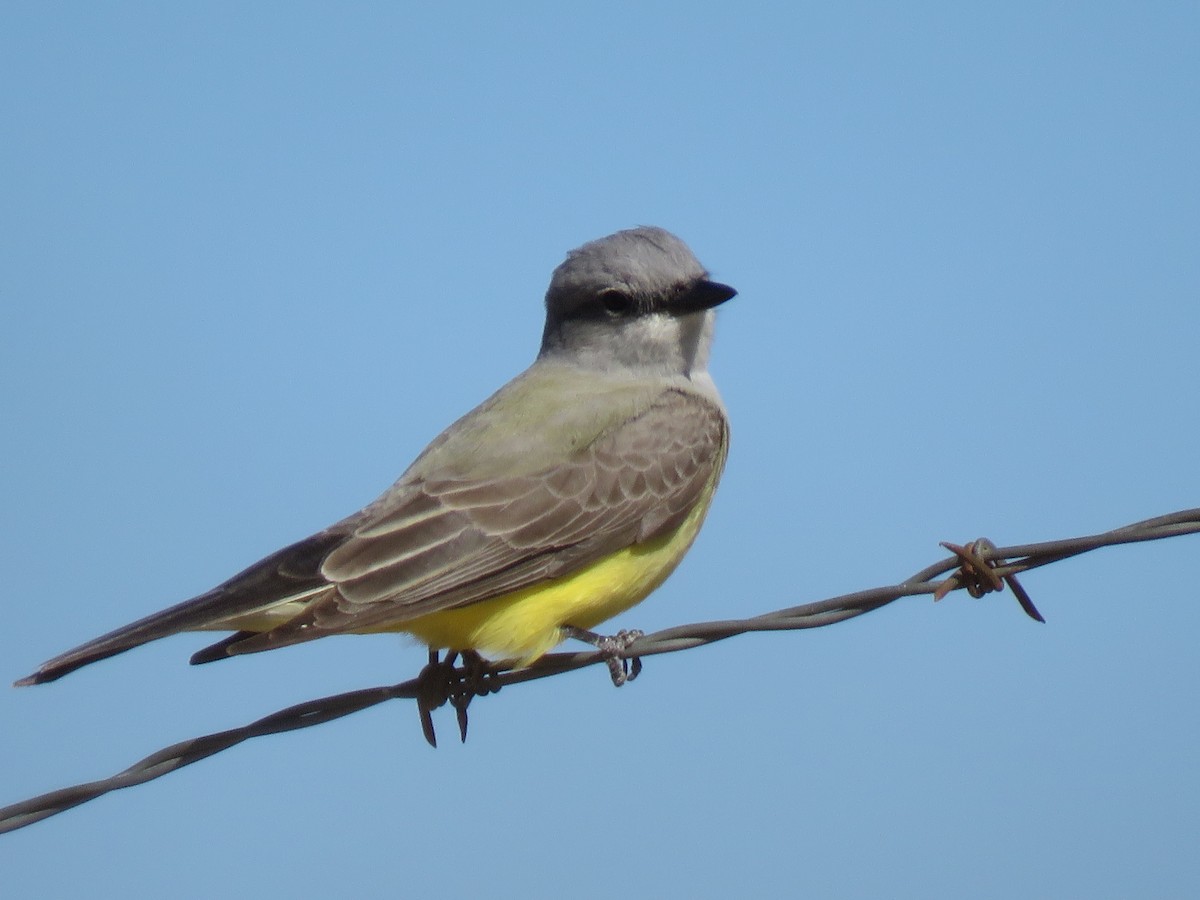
[562, 500]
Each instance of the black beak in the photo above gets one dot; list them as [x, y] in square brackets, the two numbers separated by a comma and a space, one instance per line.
[703, 295]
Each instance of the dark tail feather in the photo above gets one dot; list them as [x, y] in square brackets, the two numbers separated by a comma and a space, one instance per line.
[170, 621]
[292, 571]
[61, 665]
[219, 650]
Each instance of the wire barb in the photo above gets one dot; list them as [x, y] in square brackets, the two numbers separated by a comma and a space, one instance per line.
[979, 565]
[440, 681]
[978, 574]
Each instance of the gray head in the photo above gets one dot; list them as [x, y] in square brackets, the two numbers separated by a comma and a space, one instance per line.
[637, 299]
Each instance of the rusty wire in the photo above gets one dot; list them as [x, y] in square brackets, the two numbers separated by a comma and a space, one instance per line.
[978, 567]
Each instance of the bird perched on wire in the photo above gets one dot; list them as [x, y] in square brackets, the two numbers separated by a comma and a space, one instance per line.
[562, 500]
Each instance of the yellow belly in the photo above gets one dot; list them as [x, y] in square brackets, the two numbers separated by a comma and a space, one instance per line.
[526, 623]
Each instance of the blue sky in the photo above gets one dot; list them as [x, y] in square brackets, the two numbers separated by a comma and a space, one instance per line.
[253, 257]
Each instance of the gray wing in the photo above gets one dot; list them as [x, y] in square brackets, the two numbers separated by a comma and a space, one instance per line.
[446, 543]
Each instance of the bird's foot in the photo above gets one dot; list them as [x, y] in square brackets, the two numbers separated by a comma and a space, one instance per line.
[612, 647]
[442, 681]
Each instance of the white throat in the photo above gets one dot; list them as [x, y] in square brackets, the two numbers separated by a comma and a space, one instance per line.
[658, 344]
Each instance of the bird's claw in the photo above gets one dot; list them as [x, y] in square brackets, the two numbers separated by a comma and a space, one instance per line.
[612, 647]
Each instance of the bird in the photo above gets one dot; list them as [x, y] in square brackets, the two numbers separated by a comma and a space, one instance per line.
[561, 501]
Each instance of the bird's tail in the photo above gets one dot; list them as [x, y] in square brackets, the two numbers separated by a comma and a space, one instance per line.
[185, 616]
[291, 573]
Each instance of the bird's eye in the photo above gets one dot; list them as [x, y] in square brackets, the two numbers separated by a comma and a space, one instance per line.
[615, 302]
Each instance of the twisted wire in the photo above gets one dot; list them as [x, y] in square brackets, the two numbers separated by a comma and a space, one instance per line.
[978, 567]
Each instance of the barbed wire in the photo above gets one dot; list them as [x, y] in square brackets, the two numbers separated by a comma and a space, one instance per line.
[978, 567]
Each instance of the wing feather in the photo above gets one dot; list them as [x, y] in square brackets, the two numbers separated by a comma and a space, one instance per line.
[446, 543]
